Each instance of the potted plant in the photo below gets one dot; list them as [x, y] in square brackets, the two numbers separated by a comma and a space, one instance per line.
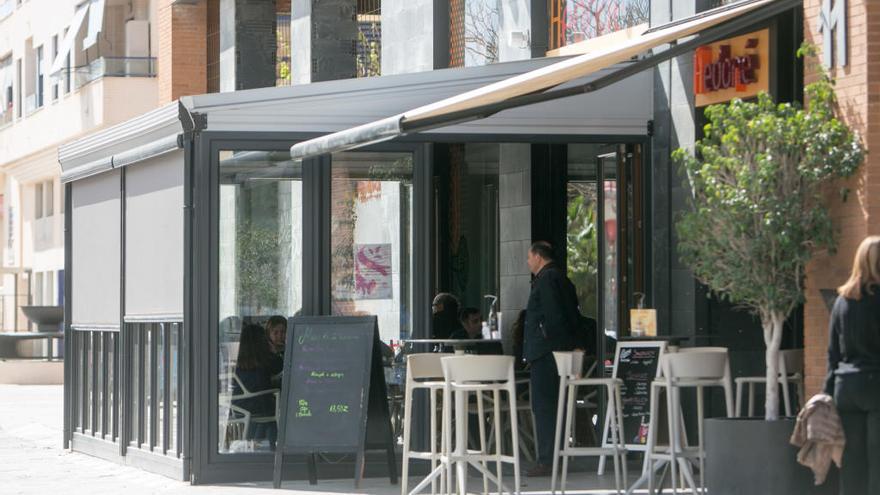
[759, 179]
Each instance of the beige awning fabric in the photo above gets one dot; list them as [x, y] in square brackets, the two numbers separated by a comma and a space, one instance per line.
[524, 84]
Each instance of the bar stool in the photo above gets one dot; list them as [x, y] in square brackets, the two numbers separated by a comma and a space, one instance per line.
[424, 371]
[528, 437]
[791, 371]
[570, 365]
[478, 374]
[697, 367]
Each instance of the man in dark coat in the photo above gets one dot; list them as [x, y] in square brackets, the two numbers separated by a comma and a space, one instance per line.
[552, 322]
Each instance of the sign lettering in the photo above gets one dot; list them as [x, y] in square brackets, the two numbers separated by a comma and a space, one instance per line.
[733, 68]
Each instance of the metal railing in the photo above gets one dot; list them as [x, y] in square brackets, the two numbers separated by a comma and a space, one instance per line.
[129, 390]
[114, 67]
[156, 355]
[96, 383]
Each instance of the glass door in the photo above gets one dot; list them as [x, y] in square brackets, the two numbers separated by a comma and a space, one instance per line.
[604, 238]
[259, 286]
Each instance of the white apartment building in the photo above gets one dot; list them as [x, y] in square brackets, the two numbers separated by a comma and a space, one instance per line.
[67, 67]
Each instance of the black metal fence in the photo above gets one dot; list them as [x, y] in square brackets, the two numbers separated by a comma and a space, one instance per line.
[127, 386]
[154, 397]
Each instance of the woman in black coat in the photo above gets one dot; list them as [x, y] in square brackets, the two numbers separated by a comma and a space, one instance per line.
[854, 370]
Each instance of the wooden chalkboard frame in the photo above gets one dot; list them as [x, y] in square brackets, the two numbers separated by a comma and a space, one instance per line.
[661, 345]
[373, 402]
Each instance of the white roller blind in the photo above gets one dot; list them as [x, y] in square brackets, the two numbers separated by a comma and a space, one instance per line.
[95, 249]
[96, 23]
[69, 39]
[154, 236]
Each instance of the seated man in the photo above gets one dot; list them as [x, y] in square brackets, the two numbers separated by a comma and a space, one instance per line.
[471, 324]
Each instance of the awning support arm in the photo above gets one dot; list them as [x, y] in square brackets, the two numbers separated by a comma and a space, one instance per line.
[709, 36]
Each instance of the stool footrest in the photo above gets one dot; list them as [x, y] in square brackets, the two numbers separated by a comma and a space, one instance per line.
[591, 451]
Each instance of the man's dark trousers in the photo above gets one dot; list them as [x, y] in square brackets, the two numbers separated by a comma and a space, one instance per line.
[545, 397]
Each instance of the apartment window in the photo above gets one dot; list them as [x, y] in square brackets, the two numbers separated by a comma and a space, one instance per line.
[18, 84]
[38, 200]
[49, 198]
[37, 289]
[573, 21]
[49, 288]
[54, 55]
[474, 29]
[213, 47]
[66, 69]
[369, 42]
[6, 90]
[282, 48]
[38, 77]
[44, 199]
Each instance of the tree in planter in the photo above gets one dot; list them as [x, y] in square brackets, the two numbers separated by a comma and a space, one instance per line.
[758, 179]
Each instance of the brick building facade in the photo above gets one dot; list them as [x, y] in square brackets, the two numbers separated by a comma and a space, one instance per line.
[858, 92]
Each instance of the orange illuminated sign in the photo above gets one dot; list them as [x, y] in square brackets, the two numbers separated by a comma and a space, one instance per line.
[733, 68]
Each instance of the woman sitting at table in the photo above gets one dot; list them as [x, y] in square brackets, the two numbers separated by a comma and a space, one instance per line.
[253, 370]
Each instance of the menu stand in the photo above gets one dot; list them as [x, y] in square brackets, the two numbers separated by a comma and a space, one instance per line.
[332, 366]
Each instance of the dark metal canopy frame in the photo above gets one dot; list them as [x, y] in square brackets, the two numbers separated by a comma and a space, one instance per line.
[201, 308]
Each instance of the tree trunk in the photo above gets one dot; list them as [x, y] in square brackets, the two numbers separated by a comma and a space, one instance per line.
[772, 323]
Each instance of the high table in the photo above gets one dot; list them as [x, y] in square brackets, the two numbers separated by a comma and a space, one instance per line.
[458, 345]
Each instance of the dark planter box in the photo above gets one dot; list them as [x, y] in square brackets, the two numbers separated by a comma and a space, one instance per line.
[750, 456]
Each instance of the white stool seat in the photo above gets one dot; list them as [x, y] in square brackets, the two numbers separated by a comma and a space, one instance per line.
[424, 371]
[696, 367]
[791, 372]
[484, 375]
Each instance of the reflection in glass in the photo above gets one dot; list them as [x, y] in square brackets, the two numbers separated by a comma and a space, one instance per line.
[371, 239]
[260, 276]
[610, 243]
[573, 21]
[467, 233]
[582, 243]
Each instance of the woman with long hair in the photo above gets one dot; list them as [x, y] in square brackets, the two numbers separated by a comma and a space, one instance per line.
[254, 371]
[854, 370]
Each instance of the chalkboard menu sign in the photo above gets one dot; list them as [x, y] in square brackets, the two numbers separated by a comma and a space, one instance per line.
[636, 363]
[333, 385]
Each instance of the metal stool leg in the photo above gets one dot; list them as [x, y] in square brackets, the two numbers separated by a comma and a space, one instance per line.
[563, 388]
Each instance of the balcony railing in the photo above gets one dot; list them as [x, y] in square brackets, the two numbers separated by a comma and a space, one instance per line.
[114, 67]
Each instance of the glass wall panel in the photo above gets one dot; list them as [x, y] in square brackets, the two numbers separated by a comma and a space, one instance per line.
[260, 277]
[610, 244]
[582, 235]
[371, 250]
[468, 217]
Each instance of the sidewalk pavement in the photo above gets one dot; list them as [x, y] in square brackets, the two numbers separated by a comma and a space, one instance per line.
[32, 461]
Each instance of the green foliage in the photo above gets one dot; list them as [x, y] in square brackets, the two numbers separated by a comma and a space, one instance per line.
[258, 249]
[757, 179]
[583, 248]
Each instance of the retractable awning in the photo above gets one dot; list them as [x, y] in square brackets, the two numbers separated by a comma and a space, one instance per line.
[69, 38]
[532, 87]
